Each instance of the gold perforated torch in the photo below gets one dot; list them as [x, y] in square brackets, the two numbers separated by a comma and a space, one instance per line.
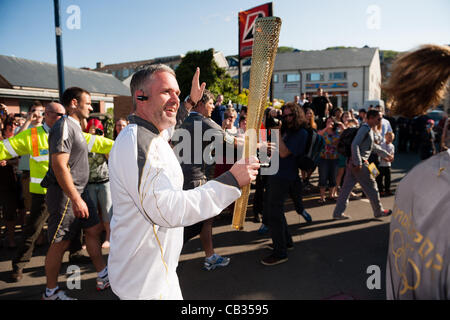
[265, 45]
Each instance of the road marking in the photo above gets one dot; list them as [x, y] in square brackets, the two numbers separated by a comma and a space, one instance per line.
[311, 198]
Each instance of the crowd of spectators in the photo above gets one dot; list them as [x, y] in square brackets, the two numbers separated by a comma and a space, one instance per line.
[337, 173]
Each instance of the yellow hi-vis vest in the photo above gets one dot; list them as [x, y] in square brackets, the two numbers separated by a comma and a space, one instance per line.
[34, 141]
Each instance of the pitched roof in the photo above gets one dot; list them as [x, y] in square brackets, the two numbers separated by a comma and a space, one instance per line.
[137, 64]
[339, 58]
[30, 73]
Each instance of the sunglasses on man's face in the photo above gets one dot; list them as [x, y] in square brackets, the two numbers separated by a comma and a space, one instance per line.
[57, 113]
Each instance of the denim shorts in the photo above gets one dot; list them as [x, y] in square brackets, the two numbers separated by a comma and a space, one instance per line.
[100, 193]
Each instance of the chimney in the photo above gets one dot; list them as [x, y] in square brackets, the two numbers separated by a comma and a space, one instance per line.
[100, 65]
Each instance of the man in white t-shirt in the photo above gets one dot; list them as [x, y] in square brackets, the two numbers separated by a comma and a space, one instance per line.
[302, 100]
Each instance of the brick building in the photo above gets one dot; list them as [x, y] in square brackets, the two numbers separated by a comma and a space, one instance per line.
[22, 81]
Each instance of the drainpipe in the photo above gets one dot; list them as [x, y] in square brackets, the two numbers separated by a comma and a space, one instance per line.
[301, 80]
[363, 86]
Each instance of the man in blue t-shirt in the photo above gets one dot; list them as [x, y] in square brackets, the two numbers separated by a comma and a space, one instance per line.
[285, 182]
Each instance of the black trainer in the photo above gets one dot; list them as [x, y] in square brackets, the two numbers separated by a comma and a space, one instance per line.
[289, 247]
[306, 216]
[273, 260]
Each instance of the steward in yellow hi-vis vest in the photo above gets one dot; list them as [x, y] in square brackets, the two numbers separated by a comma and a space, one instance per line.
[34, 142]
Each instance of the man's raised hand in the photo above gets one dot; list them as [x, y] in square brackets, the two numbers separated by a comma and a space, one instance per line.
[196, 88]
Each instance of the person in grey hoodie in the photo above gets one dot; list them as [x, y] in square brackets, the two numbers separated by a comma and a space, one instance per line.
[358, 171]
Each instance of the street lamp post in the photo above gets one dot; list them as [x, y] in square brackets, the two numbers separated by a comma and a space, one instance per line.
[59, 55]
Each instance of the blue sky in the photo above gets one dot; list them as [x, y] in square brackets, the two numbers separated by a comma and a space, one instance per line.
[115, 31]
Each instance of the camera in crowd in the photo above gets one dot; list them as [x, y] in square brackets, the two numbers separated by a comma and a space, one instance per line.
[335, 125]
[270, 121]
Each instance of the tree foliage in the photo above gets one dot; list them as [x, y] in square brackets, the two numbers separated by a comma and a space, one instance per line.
[284, 49]
[390, 54]
[217, 81]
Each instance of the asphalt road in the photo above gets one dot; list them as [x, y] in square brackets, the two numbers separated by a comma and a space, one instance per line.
[331, 259]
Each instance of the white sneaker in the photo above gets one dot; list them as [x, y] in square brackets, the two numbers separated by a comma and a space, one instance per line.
[58, 295]
[215, 262]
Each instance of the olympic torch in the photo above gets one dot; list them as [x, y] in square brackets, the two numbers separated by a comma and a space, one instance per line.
[265, 45]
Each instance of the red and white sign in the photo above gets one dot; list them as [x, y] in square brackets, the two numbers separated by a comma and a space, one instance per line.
[247, 26]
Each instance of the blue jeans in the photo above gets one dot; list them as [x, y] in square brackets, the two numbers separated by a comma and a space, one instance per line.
[100, 193]
[327, 172]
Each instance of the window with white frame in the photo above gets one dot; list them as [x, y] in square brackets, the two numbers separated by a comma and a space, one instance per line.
[291, 77]
[315, 76]
[338, 76]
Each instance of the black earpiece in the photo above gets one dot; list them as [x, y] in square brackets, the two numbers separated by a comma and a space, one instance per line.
[142, 98]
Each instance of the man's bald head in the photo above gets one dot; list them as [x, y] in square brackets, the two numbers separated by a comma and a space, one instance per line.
[55, 106]
[53, 112]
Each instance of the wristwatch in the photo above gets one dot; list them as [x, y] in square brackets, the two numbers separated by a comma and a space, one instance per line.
[189, 100]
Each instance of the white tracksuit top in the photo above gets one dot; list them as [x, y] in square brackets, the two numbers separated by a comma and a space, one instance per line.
[150, 210]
